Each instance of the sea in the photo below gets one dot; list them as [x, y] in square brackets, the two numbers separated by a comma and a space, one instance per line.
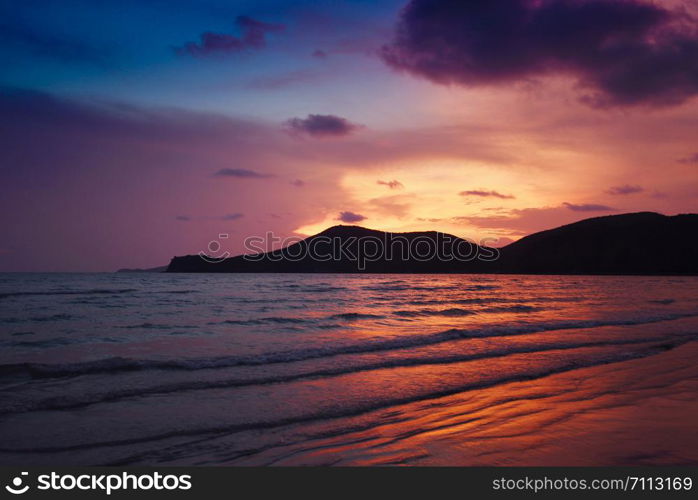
[346, 369]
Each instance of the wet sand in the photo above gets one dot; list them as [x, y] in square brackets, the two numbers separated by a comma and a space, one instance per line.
[637, 412]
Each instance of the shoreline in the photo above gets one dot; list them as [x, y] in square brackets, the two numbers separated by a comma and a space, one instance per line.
[605, 415]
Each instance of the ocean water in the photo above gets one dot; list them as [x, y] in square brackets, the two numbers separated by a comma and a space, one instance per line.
[170, 369]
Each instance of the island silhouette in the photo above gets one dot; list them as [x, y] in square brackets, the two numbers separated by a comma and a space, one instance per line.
[643, 243]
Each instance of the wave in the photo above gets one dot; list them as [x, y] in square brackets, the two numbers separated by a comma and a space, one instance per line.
[98, 291]
[518, 308]
[45, 343]
[54, 317]
[484, 300]
[52, 342]
[453, 312]
[457, 312]
[357, 408]
[154, 326]
[664, 302]
[353, 316]
[73, 402]
[320, 289]
[280, 320]
[120, 364]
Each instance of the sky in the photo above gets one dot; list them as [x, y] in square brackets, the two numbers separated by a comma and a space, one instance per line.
[134, 131]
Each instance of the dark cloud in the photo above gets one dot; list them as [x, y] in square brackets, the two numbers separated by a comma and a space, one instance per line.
[319, 54]
[298, 183]
[235, 216]
[241, 173]
[253, 37]
[487, 194]
[624, 52]
[321, 126]
[588, 207]
[689, 159]
[350, 217]
[183, 218]
[625, 189]
[394, 184]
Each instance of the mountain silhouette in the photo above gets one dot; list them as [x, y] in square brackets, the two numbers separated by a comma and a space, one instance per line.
[637, 243]
[353, 249]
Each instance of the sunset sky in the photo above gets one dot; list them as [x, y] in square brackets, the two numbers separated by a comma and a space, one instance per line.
[134, 131]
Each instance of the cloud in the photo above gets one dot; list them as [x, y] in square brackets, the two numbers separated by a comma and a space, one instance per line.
[394, 184]
[235, 216]
[319, 54]
[624, 52]
[321, 126]
[523, 221]
[624, 189]
[485, 194]
[689, 159]
[350, 217]
[253, 37]
[298, 183]
[227, 217]
[241, 173]
[588, 207]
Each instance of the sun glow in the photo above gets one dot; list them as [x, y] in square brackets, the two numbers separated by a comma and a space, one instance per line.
[426, 194]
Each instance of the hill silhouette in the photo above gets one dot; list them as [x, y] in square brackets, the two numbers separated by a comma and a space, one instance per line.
[354, 249]
[636, 243]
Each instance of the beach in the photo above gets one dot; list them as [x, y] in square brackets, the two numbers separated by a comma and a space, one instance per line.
[161, 369]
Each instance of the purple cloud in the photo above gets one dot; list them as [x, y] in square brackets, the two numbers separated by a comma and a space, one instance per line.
[485, 194]
[689, 159]
[235, 216]
[183, 218]
[625, 52]
[253, 37]
[394, 184]
[321, 126]
[350, 217]
[588, 207]
[298, 183]
[241, 173]
[625, 189]
[319, 54]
